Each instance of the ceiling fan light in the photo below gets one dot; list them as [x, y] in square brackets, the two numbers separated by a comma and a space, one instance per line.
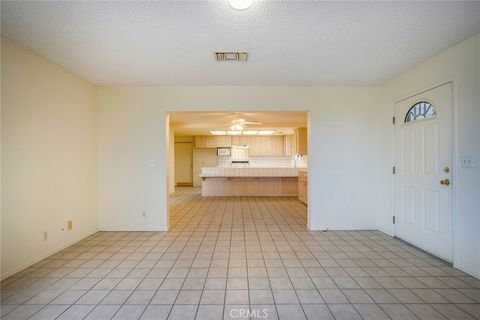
[237, 127]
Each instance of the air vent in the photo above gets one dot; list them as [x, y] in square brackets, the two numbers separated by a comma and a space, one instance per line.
[231, 56]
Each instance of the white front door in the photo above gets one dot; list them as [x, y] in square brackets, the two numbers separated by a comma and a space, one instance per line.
[423, 164]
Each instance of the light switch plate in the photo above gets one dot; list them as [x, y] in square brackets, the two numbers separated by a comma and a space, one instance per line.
[151, 163]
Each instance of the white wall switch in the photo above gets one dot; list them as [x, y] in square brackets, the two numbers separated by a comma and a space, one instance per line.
[151, 163]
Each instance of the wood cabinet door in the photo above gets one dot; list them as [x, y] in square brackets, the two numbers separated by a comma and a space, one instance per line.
[224, 141]
[277, 146]
[255, 147]
[302, 143]
[200, 142]
[271, 146]
[305, 193]
[288, 145]
[210, 142]
[240, 140]
[300, 189]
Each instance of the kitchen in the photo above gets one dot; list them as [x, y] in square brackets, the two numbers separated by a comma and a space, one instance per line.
[242, 154]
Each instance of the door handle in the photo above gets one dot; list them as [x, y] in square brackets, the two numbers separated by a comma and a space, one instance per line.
[445, 182]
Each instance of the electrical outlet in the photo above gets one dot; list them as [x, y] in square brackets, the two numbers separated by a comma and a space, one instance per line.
[467, 161]
[69, 225]
[144, 214]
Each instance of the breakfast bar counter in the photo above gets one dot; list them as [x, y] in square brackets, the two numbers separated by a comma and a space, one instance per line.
[249, 181]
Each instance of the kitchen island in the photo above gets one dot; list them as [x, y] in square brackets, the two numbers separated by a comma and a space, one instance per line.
[249, 181]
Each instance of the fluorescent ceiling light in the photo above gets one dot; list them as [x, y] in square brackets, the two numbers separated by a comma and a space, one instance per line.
[250, 133]
[265, 132]
[237, 127]
[240, 4]
[234, 132]
[218, 133]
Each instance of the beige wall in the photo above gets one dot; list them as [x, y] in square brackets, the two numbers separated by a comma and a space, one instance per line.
[343, 154]
[460, 64]
[48, 157]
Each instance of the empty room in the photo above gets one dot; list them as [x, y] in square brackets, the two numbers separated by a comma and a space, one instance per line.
[240, 159]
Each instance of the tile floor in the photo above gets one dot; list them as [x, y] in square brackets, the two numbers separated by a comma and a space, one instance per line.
[238, 258]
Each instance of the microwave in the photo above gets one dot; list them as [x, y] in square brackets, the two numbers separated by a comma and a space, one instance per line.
[223, 151]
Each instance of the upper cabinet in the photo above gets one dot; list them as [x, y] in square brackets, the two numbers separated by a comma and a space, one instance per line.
[266, 146]
[224, 141]
[200, 142]
[260, 146]
[205, 142]
[289, 148]
[240, 140]
[277, 146]
[300, 141]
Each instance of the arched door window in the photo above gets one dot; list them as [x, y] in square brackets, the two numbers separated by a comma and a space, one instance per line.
[420, 111]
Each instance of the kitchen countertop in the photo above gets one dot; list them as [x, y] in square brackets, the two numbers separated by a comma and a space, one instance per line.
[227, 172]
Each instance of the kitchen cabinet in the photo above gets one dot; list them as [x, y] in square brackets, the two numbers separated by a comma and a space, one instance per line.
[269, 146]
[257, 146]
[277, 146]
[301, 141]
[202, 142]
[303, 186]
[211, 142]
[288, 145]
[224, 141]
[242, 140]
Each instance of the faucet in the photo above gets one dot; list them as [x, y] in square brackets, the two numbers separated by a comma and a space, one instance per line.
[295, 158]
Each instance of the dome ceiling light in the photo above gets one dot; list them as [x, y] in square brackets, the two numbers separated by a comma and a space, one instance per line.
[240, 4]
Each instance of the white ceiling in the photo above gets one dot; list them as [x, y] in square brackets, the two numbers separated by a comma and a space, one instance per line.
[289, 42]
[200, 123]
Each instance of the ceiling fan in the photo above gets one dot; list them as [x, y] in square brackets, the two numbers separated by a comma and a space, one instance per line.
[239, 124]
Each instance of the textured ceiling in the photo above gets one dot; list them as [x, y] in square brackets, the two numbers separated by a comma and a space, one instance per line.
[289, 42]
[200, 123]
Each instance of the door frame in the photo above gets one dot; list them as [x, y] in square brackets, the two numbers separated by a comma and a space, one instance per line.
[452, 82]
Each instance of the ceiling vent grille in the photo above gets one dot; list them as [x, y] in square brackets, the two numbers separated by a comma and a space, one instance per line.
[231, 56]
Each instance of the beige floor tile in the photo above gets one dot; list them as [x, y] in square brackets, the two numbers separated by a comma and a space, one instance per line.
[424, 311]
[224, 253]
[371, 312]
[451, 311]
[344, 312]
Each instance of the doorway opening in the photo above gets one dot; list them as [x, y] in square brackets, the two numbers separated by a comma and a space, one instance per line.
[237, 154]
